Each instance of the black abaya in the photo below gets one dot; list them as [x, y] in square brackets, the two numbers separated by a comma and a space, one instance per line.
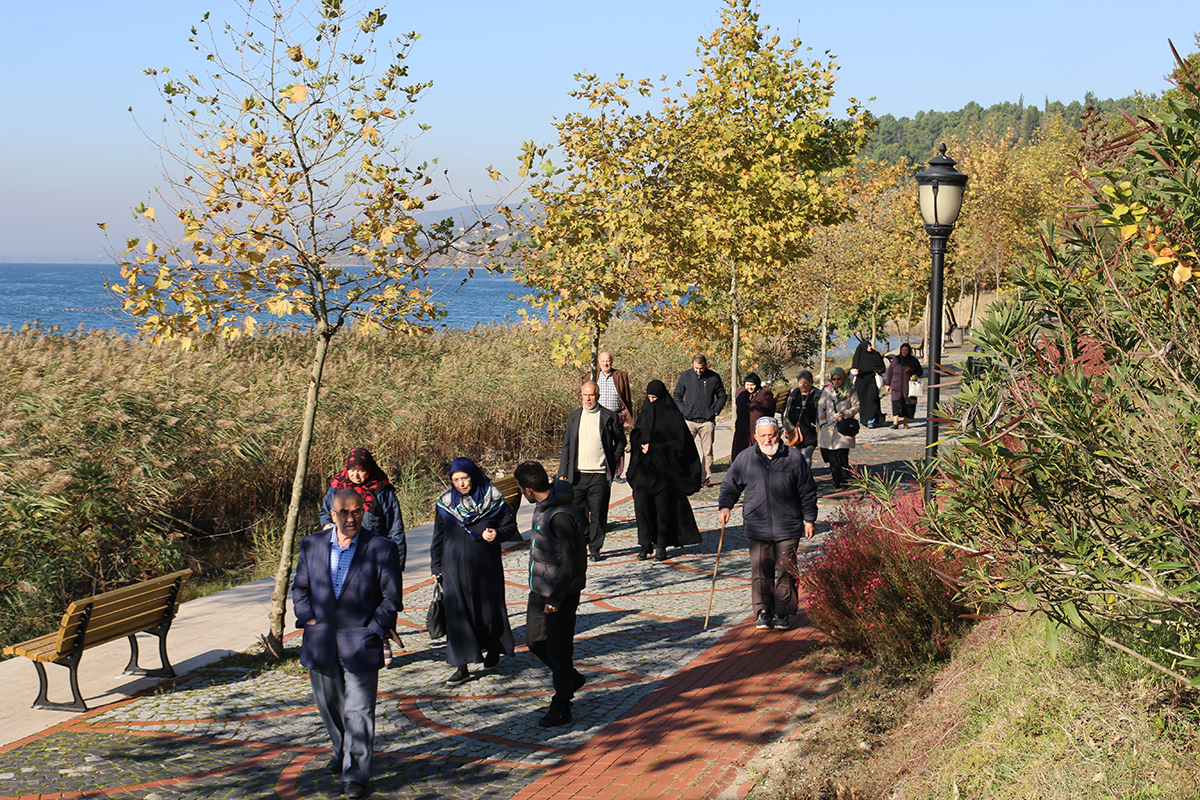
[663, 477]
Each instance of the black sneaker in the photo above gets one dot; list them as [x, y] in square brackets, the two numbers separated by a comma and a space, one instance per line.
[594, 556]
[783, 623]
[460, 675]
[580, 680]
[762, 622]
[555, 717]
[491, 659]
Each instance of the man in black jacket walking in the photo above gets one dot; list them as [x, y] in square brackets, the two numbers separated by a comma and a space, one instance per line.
[557, 575]
[781, 501]
[593, 445]
[700, 396]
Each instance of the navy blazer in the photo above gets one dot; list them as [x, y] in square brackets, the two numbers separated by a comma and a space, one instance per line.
[351, 627]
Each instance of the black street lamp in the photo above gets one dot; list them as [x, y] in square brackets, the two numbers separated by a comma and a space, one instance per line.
[940, 189]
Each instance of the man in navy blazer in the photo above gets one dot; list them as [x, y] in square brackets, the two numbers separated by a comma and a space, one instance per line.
[346, 594]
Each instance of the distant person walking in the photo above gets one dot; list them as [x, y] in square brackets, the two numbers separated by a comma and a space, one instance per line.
[800, 416]
[664, 468]
[866, 367]
[751, 402]
[557, 576]
[700, 396]
[592, 451]
[471, 521]
[614, 389]
[904, 368]
[780, 505]
[838, 402]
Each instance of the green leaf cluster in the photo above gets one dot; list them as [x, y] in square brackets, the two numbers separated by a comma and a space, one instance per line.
[1075, 470]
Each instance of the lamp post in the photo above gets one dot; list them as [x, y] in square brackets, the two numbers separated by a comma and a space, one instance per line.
[940, 190]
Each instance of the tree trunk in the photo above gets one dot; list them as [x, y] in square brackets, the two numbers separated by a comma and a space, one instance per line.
[596, 351]
[912, 293]
[824, 338]
[283, 576]
[735, 320]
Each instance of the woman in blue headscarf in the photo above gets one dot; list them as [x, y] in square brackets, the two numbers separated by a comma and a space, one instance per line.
[472, 520]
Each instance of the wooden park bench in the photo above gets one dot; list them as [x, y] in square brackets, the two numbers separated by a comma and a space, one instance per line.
[511, 491]
[146, 607]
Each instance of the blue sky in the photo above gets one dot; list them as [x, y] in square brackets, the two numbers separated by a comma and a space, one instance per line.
[71, 156]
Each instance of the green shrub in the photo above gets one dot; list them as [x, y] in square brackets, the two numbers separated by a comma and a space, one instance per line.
[1076, 471]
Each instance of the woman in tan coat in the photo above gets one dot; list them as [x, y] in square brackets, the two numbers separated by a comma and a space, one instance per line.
[838, 402]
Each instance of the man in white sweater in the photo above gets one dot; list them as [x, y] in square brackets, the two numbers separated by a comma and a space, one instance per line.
[593, 444]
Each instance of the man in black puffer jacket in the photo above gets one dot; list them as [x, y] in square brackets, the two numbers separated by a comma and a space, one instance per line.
[557, 575]
[781, 501]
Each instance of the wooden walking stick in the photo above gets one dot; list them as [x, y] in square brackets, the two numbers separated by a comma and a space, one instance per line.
[713, 588]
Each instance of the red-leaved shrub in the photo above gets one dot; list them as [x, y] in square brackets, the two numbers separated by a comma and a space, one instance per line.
[877, 592]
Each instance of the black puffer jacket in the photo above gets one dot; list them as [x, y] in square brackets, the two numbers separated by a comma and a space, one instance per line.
[558, 555]
[780, 494]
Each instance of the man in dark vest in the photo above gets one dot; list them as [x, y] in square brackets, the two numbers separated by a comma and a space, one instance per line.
[557, 575]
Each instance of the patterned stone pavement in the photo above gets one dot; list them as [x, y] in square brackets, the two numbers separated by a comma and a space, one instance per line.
[670, 709]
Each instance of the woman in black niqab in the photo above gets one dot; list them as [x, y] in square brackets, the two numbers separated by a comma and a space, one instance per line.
[664, 468]
[867, 363]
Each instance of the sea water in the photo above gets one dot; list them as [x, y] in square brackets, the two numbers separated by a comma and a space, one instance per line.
[71, 296]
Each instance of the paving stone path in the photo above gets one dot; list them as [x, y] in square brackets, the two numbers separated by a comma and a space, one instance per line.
[669, 709]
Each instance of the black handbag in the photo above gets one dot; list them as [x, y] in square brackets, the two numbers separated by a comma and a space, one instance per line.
[848, 427]
[435, 618]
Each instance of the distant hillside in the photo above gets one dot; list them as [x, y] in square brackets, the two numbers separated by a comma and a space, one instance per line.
[916, 139]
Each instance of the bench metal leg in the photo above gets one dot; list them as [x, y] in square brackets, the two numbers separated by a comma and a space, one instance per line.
[42, 702]
[165, 671]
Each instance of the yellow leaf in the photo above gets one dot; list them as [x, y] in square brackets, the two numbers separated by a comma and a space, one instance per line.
[249, 324]
[151, 248]
[1127, 231]
[370, 134]
[1158, 262]
[1182, 273]
[296, 94]
[149, 213]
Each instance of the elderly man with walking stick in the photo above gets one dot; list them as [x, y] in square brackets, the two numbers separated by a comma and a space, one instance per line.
[780, 504]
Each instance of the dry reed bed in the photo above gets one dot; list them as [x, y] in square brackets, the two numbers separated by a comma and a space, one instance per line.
[119, 458]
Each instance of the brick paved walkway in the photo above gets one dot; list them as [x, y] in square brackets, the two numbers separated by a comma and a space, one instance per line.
[669, 710]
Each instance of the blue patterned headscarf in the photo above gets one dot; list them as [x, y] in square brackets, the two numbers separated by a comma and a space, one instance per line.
[484, 501]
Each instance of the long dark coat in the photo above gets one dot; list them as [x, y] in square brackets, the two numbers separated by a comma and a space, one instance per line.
[473, 584]
[662, 478]
[869, 363]
[748, 411]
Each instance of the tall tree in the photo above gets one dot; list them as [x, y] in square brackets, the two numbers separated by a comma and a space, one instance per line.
[739, 185]
[691, 212]
[288, 196]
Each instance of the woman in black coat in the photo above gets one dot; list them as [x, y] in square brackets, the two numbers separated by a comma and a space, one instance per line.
[751, 402]
[664, 468]
[472, 520]
[868, 363]
[800, 416]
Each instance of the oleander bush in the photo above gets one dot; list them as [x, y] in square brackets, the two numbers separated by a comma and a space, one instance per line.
[120, 460]
[880, 593]
[1075, 473]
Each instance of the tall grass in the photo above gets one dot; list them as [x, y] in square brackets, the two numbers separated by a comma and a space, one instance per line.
[120, 460]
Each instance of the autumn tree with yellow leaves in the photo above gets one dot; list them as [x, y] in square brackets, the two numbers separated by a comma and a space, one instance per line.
[288, 197]
[693, 212]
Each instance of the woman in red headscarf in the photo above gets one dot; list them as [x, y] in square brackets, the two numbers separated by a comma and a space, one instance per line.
[381, 508]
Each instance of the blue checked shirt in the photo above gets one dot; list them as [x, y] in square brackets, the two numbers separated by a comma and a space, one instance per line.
[339, 561]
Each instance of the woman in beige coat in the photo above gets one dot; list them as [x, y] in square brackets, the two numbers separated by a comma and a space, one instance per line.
[838, 402]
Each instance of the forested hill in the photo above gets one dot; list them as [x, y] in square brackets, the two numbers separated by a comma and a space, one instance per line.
[916, 139]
